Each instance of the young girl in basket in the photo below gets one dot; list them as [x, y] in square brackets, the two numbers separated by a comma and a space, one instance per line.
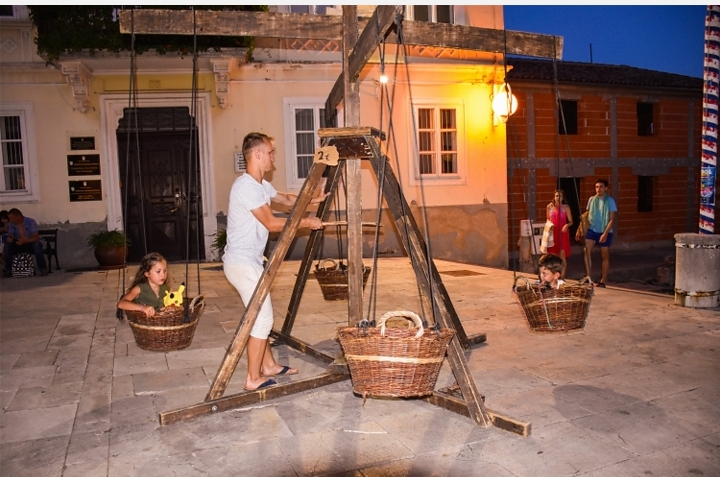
[148, 289]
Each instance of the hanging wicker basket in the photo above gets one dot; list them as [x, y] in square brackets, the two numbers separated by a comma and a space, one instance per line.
[554, 310]
[333, 280]
[394, 362]
[166, 330]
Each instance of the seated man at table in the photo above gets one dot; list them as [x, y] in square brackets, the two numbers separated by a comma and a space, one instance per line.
[23, 236]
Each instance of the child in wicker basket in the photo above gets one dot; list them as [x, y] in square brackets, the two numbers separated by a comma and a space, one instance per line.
[148, 288]
[551, 267]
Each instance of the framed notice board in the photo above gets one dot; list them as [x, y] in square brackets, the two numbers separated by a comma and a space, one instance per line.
[83, 165]
[82, 143]
[82, 191]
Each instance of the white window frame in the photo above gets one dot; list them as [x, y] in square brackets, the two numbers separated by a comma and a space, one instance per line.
[458, 178]
[31, 192]
[433, 13]
[290, 104]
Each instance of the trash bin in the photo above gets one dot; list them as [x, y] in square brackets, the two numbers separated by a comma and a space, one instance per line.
[697, 270]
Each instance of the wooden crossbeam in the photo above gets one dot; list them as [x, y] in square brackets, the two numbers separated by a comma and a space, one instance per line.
[328, 27]
[231, 23]
[380, 22]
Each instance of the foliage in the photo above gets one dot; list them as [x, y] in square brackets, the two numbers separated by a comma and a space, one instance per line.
[220, 240]
[110, 238]
[71, 29]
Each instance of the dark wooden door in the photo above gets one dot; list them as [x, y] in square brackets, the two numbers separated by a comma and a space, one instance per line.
[161, 196]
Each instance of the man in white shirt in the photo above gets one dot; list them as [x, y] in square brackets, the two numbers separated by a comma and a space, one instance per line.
[250, 220]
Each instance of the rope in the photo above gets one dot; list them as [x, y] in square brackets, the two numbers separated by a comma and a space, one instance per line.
[191, 173]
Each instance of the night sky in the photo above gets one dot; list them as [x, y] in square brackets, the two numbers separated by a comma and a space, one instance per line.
[669, 39]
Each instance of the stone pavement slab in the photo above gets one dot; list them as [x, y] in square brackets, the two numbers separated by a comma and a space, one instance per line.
[633, 393]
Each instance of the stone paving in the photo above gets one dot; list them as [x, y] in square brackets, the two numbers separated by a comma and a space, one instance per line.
[636, 393]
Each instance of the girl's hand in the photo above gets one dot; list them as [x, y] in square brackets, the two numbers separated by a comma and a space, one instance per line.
[566, 227]
[148, 310]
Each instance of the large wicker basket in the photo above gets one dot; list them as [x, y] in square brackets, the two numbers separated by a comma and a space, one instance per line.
[553, 310]
[394, 362]
[166, 330]
[333, 280]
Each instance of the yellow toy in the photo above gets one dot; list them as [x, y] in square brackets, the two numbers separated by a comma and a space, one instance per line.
[174, 297]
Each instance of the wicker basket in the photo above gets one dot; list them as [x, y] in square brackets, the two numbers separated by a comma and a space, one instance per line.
[166, 330]
[554, 310]
[333, 280]
[394, 362]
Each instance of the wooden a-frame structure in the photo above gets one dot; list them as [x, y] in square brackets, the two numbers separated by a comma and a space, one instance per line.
[354, 144]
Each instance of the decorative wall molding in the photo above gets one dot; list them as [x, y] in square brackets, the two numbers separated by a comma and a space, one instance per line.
[78, 76]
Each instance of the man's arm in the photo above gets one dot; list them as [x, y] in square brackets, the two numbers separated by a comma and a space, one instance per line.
[26, 237]
[266, 217]
[608, 227]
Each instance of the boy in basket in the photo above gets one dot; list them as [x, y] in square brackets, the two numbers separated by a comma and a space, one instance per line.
[550, 270]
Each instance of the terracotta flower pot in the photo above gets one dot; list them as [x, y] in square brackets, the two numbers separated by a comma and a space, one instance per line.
[111, 258]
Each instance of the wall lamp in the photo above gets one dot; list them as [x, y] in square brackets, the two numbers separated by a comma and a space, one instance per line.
[504, 103]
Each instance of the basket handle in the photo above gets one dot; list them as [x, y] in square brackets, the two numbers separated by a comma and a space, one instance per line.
[198, 301]
[527, 283]
[324, 267]
[415, 319]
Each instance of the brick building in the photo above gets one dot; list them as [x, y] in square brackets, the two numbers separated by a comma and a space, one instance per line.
[639, 129]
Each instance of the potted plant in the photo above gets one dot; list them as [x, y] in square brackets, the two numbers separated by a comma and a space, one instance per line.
[110, 248]
[219, 242]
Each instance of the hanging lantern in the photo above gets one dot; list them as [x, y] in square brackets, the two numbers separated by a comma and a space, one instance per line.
[504, 103]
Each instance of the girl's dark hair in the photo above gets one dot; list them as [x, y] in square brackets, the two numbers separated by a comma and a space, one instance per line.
[146, 264]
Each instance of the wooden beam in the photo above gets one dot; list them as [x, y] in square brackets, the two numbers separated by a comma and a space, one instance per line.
[463, 37]
[326, 27]
[231, 23]
[235, 401]
[301, 346]
[375, 30]
[458, 406]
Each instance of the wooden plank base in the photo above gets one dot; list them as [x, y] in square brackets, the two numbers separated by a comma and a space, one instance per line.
[458, 406]
[247, 398]
[473, 340]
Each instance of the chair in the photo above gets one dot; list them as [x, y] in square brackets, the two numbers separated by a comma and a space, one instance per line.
[50, 250]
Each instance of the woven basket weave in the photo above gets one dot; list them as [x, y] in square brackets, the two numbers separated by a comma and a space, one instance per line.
[166, 330]
[554, 310]
[334, 281]
[394, 362]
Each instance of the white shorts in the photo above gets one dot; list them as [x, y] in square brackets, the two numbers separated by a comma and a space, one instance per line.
[245, 278]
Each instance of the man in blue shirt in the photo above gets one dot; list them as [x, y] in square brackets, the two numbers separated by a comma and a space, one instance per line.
[601, 215]
[23, 237]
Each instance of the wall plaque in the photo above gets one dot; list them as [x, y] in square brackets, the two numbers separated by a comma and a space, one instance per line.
[85, 143]
[81, 191]
[83, 165]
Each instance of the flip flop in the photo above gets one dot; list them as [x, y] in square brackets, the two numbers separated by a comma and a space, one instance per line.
[286, 370]
[269, 382]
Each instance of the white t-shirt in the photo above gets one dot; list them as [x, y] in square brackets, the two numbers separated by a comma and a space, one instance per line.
[246, 236]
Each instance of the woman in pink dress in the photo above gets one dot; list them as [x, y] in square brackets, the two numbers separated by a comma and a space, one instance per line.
[559, 214]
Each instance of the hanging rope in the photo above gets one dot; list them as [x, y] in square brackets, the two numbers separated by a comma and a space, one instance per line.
[192, 178]
[560, 115]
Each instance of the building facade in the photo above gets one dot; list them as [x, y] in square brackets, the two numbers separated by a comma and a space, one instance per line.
[638, 129]
[87, 155]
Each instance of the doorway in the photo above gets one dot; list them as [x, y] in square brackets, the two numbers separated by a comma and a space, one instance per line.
[162, 195]
[571, 187]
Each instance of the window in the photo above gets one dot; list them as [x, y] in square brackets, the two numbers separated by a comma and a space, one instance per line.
[303, 118]
[568, 119]
[438, 148]
[7, 11]
[645, 193]
[433, 13]
[17, 146]
[646, 126]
